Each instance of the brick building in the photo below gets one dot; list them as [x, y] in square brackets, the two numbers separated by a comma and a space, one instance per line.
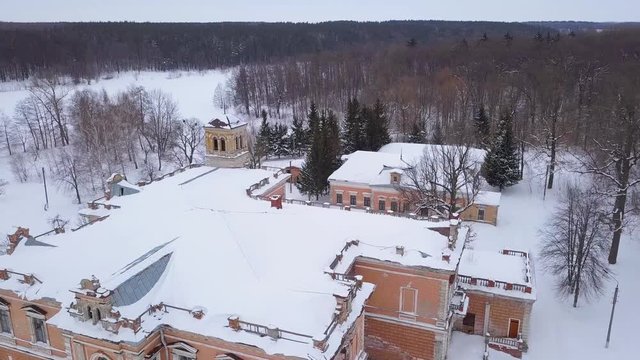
[193, 268]
[372, 180]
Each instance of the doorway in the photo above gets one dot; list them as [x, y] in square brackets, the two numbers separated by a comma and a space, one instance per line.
[514, 328]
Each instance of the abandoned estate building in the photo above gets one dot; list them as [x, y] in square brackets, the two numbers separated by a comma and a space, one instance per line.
[371, 180]
[197, 266]
[226, 142]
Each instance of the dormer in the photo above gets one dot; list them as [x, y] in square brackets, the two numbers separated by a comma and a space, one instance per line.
[395, 178]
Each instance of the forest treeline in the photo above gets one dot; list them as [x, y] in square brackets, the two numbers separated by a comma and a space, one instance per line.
[88, 50]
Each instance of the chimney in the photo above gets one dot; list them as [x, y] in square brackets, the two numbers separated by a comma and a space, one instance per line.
[276, 201]
[400, 250]
[454, 224]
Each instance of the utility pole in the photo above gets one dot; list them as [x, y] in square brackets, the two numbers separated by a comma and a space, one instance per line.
[46, 195]
[613, 309]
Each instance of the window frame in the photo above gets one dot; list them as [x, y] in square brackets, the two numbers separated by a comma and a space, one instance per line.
[382, 205]
[484, 213]
[339, 198]
[415, 300]
[5, 309]
[367, 201]
[353, 200]
[33, 318]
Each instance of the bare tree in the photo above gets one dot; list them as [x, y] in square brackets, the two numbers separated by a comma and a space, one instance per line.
[68, 170]
[615, 162]
[574, 244]
[189, 135]
[50, 95]
[162, 113]
[19, 167]
[4, 121]
[445, 175]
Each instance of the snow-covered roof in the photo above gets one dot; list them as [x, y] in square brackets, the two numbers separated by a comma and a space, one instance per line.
[490, 198]
[283, 163]
[196, 240]
[225, 121]
[374, 168]
[507, 273]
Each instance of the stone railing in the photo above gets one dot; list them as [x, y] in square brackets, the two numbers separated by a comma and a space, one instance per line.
[30, 279]
[464, 279]
[169, 174]
[273, 332]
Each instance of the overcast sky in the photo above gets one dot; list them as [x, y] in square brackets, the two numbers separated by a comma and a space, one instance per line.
[316, 10]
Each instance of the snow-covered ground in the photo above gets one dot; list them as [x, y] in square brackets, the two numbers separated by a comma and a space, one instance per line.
[558, 331]
[23, 203]
[193, 91]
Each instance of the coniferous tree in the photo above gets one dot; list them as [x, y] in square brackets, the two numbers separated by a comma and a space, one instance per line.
[310, 181]
[279, 141]
[438, 137]
[353, 134]
[418, 135]
[483, 132]
[331, 138]
[501, 163]
[376, 126]
[262, 143]
[298, 137]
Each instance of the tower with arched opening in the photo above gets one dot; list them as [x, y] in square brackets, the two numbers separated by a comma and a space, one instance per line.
[226, 142]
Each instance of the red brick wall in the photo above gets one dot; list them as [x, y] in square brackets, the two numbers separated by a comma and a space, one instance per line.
[389, 280]
[21, 326]
[391, 341]
[501, 310]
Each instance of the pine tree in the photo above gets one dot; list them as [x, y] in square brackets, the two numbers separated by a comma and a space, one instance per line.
[323, 158]
[310, 181]
[481, 124]
[262, 143]
[437, 138]
[298, 137]
[353, 134]
[417, 135]
[280, 141]
[501, 165]
[376, 126]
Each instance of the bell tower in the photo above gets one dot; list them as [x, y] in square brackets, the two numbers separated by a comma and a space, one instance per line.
[226, 142]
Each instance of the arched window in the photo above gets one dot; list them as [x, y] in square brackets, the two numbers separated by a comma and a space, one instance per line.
[223, 145]
[99, 356]
[215, 144]
[89, 313]
[237, 143]
[98, 315]
[241, 145]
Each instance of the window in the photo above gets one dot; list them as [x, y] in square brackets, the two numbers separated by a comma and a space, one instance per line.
[352, 200]
[223, 145]
[408, 300]
[237, 143]
[394, 206]
[5, 320]
[241, 145]
[381, 205]
[338, 198]
[367, 201]
[215, 144]
[39, 331]
[394, 179]
[481, 214]
[469, 320]
[405, 206]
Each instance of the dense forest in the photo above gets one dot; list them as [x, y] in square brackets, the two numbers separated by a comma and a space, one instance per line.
[86, 50]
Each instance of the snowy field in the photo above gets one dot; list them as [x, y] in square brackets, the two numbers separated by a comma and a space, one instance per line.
[23, 203]
[558, 331]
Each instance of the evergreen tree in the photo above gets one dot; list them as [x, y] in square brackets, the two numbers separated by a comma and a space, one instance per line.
[501, 164]
[310, 181]
[438, 137]
[323, 158]
[298, 137]
[262, 143]
[376, 126]
[280, 141]
[417, 135]
[483, 132]
[353, 134]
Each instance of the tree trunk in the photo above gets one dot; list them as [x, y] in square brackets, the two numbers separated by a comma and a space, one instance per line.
[552, 158]
[618, 212]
